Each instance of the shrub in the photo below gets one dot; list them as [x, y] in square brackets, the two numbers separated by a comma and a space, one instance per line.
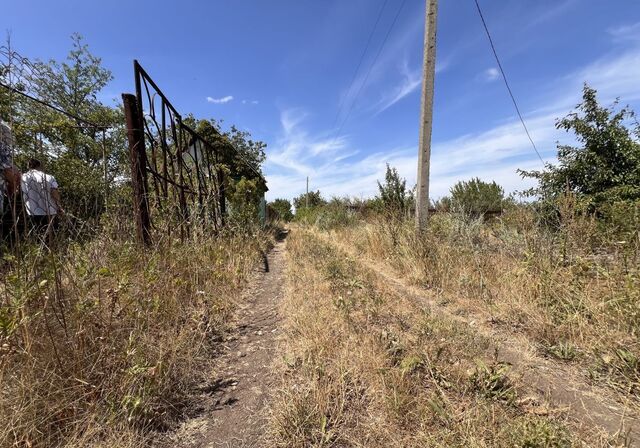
[308, 200]
[475, 197]
[281, 209]
[605, 169]
[394, 196]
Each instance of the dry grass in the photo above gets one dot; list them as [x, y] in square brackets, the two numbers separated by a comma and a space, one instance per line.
[101, 342]
[365, 366]
[575, 293]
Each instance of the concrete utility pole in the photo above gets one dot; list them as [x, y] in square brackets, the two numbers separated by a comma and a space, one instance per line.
[307, 196]
[426, 121]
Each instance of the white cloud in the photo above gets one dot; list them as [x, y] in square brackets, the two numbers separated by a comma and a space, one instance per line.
[626, 32]
[353, 97]
[222, 100]
[494, 154]
[491, 155]
[550, 13]
[411, 81]
[491, 74]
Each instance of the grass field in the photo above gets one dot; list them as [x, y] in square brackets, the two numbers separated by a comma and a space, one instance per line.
[365, 366]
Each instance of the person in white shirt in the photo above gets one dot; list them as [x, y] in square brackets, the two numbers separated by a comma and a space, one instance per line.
[40, 196]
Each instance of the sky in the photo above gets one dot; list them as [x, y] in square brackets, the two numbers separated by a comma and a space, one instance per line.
[285, 70]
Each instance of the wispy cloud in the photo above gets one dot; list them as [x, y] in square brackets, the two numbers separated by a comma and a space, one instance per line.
[375, 77]
[254, 102]
[491, 74]
[336, 167]
[626, 32]
[410, 82]
[223, 100]
[331, 164]
[559, 8]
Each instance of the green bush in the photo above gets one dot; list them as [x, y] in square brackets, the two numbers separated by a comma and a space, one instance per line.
[394, 197]
[476, 198]
[605, 169]
[281, 209]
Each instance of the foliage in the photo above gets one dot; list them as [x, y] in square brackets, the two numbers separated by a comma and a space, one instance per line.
[311, 200]
[476, 197]
[393, 193]
[334, 214]
[238, 151]
[75, 153]
[244, 196]
[491, 381]
[537, 433]
[282, 209]
[605, 169]
[621, 219]
[88, 162]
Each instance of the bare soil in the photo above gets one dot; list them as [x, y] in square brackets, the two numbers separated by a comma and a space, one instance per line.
[233, 406]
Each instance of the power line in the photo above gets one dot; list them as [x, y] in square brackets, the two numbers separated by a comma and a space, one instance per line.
[366, 78]
[355, 74]
[506, 83]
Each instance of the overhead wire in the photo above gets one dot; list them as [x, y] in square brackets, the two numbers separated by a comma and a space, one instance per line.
[366, 78]
[357, 70]
[506, 82]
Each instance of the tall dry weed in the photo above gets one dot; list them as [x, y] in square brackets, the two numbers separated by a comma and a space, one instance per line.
[101, 341]
[573, 289]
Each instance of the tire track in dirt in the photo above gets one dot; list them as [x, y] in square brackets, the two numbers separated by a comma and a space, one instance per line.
[235, 403]
[558, 385]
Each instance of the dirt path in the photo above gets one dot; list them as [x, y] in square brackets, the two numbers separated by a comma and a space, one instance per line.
[559, 385]
[235, 414]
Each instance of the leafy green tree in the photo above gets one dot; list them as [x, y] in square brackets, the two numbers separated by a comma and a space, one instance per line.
[393, 193]
[315, 199]
[604, 168]
[282, 207]
[238, 150]
[475, 197]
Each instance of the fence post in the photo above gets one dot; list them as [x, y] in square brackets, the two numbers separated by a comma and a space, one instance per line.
[138, 159]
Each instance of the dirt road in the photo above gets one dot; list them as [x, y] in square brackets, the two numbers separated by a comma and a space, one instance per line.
[234, 413]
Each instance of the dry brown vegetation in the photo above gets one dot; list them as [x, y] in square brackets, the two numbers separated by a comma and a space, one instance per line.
[366, 366]
[573, 291]
[102, 342]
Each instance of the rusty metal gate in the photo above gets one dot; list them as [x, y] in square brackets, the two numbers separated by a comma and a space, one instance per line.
[177, 176]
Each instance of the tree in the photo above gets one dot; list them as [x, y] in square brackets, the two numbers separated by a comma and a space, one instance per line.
[605, 168]
[475, 197]
[393, 193]
[238, 150]
[74, 152]
[315, 200]
[282, 208]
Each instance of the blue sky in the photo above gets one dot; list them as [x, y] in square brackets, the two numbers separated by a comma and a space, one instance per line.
[282, 70]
